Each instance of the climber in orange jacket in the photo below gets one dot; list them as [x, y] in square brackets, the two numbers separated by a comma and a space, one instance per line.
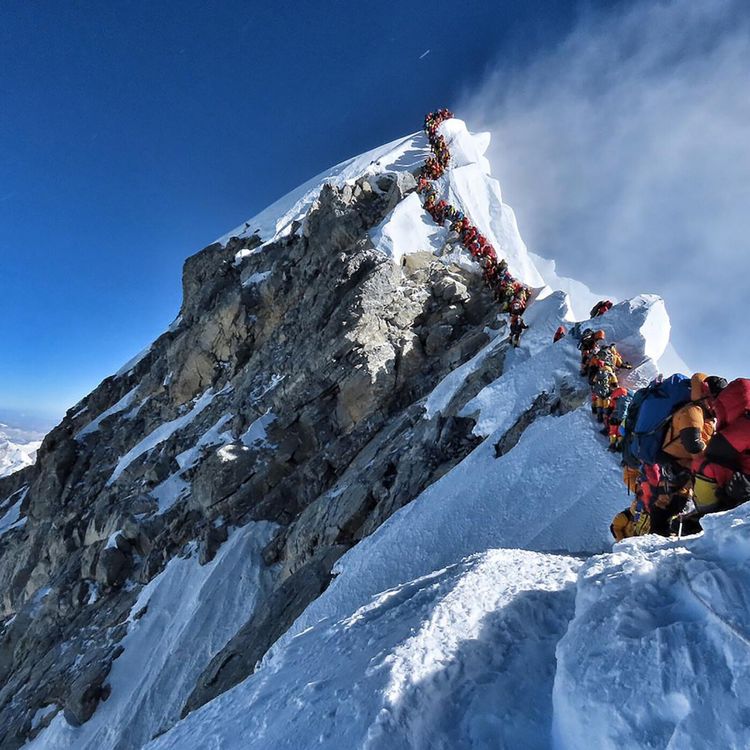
[632, 521]
[636, 520]
[692, 425]
[622, 526]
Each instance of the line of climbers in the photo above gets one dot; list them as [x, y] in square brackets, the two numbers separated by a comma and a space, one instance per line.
[510, 293]
[685, 441]
[609, 400]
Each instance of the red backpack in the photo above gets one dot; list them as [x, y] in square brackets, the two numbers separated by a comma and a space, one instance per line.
[732, 403]
[732, 407]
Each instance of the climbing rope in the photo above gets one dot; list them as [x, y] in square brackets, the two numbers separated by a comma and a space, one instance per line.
[512, 294]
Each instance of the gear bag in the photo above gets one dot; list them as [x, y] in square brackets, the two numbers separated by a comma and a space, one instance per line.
[733, 402]
[621, 408]
[648, 417]
[602, 385]
[705, 494]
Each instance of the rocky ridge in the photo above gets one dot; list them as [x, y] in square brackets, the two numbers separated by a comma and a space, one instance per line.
[288, 390]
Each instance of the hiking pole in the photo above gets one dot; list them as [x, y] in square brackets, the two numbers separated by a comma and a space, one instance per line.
[679, 530]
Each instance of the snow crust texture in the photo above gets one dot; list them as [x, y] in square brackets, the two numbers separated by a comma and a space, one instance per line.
[669, 619]
[462, 657]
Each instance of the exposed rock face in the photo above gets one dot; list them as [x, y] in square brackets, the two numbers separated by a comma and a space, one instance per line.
[288, 390]
[570, 397]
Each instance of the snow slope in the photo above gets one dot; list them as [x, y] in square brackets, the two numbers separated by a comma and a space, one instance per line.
[18, 448]
[669, 618]
[461, 657]
[468, 186]
[408, 229]
[192, 611]
[275, 221]
[471, 618]
[557, 489]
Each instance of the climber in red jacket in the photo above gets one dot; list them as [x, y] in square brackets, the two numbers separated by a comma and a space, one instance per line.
[724, 467]
[600, 308]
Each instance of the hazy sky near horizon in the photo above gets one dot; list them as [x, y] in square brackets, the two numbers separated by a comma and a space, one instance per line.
[134, 134]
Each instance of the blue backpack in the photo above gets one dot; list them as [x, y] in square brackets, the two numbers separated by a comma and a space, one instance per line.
[621, 408]
[648, 416]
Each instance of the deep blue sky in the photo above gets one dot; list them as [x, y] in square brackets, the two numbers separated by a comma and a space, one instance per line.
[135, 133]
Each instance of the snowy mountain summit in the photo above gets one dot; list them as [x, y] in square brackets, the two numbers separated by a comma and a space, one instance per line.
[332, 507]
[18, 448]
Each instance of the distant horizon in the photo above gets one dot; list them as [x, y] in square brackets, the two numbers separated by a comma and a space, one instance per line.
[37, 421]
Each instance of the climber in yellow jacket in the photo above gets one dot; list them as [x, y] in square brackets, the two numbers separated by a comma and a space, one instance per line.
[632, 521]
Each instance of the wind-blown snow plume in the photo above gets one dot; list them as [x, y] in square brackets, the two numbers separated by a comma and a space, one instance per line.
[625, 154]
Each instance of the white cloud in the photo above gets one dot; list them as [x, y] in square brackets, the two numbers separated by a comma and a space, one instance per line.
[625, 153]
